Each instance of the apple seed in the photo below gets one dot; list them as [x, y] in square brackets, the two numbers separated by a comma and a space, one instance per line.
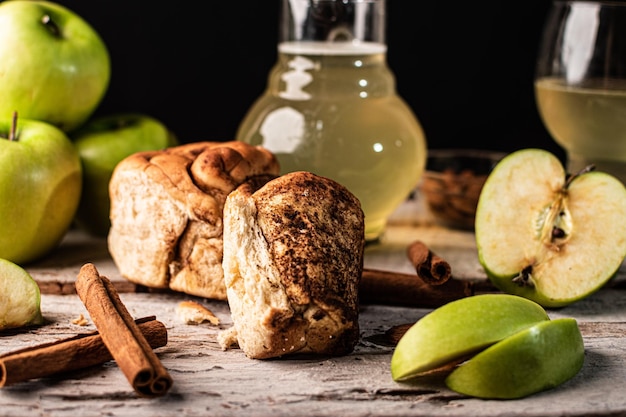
[558, 233]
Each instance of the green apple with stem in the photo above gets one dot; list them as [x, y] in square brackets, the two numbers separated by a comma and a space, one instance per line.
[535, 359]
[460, 328]
[20, 297]
[40, 186]
[55, 67]
[102, 143]
[548, 236]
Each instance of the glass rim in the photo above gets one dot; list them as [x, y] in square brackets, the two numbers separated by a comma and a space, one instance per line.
[343, 1]
[599, 2]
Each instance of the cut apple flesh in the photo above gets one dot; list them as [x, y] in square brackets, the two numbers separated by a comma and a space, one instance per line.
[533, 360]
[547, 239]
[19, 297]
[461, 328]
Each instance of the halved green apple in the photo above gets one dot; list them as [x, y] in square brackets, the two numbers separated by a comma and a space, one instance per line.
[533, 360]
[547, 236]
[461, 328]
[20, 298]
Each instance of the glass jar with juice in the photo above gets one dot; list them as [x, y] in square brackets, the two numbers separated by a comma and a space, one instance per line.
[331, 107]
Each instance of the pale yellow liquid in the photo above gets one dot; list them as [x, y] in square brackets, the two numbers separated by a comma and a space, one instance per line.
[341, 119]
[588, 121]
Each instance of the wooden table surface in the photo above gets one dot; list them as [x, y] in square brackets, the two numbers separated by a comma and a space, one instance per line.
[211, 381]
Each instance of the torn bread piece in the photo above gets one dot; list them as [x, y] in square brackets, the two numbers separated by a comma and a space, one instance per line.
[192, 312]
[227, 338]
[166, 212]
[293, 258]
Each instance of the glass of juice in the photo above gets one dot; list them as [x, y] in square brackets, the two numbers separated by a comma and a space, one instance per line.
[580, 83]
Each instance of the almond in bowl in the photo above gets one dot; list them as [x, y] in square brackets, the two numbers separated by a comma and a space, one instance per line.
[452, 183]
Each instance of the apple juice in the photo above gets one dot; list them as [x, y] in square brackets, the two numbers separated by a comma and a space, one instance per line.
[331, 108]
[589, 121]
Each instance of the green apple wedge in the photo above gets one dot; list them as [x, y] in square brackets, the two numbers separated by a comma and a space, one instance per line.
[102, 143]
[461, 328]
[534, 360]
[40, 186]
[546, 236]
[55, 67]
[20, 298]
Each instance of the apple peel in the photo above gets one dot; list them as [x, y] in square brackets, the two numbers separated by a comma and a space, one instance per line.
[459, 329]
[533, 360]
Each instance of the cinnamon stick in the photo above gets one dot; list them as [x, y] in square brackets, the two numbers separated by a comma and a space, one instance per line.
[68, 354]
[431, 268]
[400, 289]
[121, 335]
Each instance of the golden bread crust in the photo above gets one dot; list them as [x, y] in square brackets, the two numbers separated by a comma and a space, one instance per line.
[293, 258]
[167, 208]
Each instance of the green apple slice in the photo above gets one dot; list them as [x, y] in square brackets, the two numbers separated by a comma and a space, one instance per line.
[533, 360]
[460, 328]
[20, 298]
[547, 237]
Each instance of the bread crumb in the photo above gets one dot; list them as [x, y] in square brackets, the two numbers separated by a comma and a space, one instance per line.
[228, 338]
[191, 312]
[80, 321]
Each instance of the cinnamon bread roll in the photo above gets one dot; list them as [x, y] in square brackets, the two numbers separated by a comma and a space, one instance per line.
[166, 212]
[293, 258]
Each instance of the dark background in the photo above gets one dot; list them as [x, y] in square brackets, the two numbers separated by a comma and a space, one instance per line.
[465, 68]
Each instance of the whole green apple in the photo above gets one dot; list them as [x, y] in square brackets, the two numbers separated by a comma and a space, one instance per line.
[102, 143]
[548, 236]
[54, 65]
[20, 299]
[40, 186]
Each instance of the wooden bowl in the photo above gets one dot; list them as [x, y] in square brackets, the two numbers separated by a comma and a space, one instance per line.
[452, 183]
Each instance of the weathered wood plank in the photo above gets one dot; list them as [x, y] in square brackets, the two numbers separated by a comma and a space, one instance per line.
[210, 381]
[216, 382]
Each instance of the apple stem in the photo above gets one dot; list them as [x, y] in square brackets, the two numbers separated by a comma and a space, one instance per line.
[51, 25]
[13, 132]
[571, 177]
[524, 279]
